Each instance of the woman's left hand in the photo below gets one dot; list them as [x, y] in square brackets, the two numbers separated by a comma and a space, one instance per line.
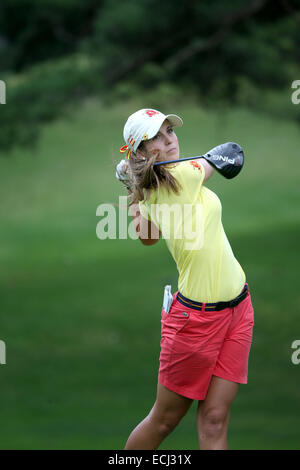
[123, 173]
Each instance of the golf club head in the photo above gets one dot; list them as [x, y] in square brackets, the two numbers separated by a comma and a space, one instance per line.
[227, 159]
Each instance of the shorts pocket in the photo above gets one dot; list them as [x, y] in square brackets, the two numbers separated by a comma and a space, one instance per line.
[175, 321]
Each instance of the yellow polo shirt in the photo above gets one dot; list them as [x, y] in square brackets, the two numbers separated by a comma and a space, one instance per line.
[191, 225]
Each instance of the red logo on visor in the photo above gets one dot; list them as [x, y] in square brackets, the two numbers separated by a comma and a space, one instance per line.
[151, 112]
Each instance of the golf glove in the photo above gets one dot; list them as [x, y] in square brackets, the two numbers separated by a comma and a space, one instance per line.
[123, 173]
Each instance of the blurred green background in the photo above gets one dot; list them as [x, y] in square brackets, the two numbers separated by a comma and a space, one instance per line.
[80, 316]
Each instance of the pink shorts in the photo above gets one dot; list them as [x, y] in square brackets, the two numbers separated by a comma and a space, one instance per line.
[195, 345]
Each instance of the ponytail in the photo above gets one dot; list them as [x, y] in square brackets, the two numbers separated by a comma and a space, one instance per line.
[146, 176]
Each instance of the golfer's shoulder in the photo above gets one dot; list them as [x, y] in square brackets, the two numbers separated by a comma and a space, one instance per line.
[190, 172]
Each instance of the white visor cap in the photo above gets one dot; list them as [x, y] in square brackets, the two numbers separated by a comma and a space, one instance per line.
[145, 124]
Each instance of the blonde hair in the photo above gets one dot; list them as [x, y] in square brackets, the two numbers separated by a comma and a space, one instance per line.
[147, 177]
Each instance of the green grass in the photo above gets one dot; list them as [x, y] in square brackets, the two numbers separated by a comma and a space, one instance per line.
[81, 316]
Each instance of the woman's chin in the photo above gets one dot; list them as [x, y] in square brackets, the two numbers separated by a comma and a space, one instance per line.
[173, 155]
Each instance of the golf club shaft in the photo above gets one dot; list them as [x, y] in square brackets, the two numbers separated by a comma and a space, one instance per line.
[177, 161]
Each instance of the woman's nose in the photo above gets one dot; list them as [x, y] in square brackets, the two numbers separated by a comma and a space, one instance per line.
[168, 139]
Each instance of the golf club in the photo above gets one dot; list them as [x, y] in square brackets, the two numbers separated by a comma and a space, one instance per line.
[227, 159]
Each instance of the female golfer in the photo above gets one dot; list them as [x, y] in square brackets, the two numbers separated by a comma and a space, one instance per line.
[206, 327]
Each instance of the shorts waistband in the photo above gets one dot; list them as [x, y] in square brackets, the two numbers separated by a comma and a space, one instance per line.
[213, 306]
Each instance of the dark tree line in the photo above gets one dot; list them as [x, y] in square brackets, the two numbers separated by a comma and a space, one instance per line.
[55, 50]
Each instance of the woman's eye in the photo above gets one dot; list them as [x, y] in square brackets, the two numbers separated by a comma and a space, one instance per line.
[170, 131]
